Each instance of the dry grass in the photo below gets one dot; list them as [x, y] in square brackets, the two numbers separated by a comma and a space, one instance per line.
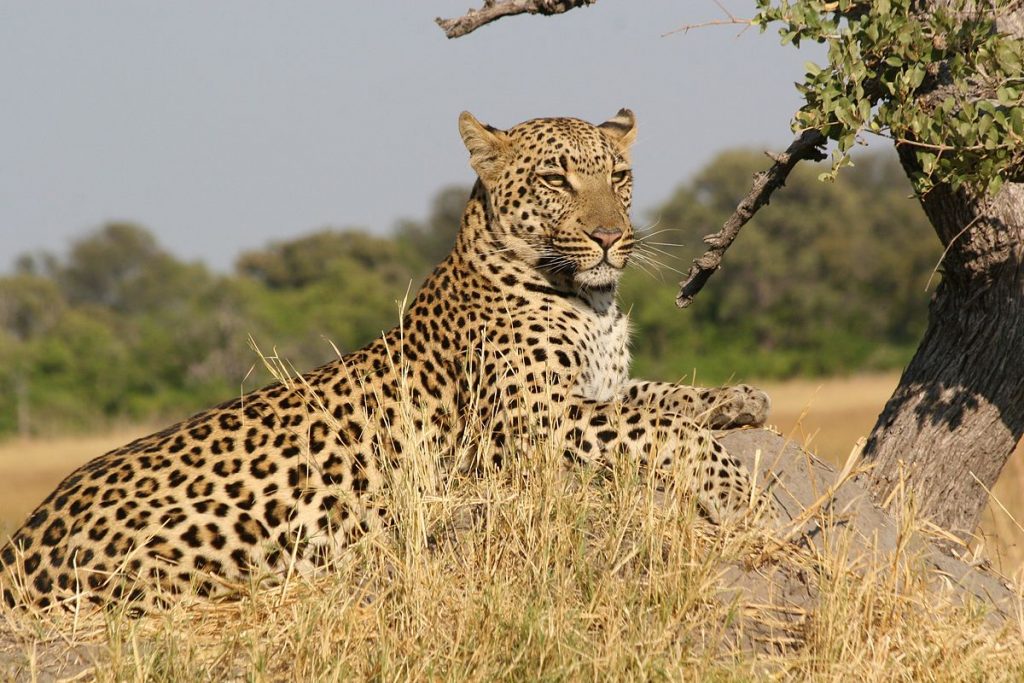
[526, 574]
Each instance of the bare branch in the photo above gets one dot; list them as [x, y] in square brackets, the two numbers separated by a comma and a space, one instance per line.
[493, 10]
[807, 146]
[730, 20]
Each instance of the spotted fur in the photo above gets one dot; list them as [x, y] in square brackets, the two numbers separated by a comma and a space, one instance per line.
[515, 338]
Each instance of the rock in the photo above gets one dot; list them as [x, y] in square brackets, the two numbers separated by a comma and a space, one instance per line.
[846, 524]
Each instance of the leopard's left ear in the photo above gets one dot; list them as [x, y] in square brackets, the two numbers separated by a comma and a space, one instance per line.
[621, 129]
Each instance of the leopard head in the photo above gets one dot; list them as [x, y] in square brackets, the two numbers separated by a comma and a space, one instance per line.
[558, 193]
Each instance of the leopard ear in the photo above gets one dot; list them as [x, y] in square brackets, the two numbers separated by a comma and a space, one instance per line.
[488, 147]
[621, 129]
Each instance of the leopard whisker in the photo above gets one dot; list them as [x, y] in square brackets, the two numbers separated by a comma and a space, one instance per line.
[647, 248]
[666, 244]
[645, 269]
[658, 264]
[642, 236]
[651, 226]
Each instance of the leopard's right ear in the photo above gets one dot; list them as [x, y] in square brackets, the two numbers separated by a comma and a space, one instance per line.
[622, 130]
[488, 147]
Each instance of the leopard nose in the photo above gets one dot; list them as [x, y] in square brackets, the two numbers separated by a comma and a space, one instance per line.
[606, 237]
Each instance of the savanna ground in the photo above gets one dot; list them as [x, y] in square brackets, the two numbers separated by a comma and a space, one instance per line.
[547, 580]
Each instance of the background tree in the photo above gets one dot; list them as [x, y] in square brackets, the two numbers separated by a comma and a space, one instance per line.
[123, 268]
[123, 347]
[30, 305]
[434, 238]
[296, 263]
[942, 78]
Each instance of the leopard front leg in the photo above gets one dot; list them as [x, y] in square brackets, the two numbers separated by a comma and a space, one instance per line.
[717, 407]
[594, 431]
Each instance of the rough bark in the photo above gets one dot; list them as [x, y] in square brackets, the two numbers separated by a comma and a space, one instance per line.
[958, 411]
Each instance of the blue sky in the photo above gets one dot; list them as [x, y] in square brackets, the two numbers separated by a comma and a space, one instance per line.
[223, 125]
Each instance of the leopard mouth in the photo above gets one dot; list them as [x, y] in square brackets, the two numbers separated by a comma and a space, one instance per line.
[604, 275]
[582, 269]
[606, 261]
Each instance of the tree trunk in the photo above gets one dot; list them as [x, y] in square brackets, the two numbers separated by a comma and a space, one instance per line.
[958, 411]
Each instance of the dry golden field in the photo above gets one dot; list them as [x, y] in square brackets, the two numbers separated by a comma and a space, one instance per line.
[553, 581]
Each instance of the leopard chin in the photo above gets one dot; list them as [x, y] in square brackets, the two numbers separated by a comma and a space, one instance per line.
[601, 276]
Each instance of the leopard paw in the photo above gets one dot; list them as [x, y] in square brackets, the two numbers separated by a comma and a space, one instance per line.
[740, 406]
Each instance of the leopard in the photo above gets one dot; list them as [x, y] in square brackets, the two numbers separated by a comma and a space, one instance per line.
[515, 339]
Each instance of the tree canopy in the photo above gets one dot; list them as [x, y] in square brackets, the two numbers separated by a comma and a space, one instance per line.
[883, 54]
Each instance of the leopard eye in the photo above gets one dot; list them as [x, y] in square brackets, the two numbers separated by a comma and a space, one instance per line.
[556, 180]
[619, 176]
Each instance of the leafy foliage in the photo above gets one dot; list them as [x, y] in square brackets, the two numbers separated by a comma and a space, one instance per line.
[121, 329]
[944, 81]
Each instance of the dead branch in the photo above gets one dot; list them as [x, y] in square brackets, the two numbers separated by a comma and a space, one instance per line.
[730, 20]
[809, 145]
[493, 10]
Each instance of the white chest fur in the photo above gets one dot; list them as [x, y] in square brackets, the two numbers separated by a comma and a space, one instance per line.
[604, 351]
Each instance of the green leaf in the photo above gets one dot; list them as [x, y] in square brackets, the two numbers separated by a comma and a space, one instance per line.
[1017, 120]
[927, 160]
[864, 109]
[984, 124]
[916, 76]
[879, 55]
[858, 71]
[1008, 59]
